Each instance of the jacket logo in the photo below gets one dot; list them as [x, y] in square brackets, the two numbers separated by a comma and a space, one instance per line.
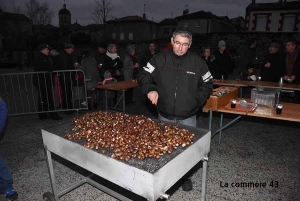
[189, 72]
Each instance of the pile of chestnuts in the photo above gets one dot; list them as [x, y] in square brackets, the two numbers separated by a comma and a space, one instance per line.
[128, 136]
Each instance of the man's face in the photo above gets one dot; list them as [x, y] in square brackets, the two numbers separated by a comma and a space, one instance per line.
[101, 50]
[69, 50]
[273, 49]
[222, 48]
[45, 51]
[152, 47]
[207, 52]
[290, 47]
[180, 45]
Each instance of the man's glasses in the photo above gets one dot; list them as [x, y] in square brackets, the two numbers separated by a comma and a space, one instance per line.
[179, 44]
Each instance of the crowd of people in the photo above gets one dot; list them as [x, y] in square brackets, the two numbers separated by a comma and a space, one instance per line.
[106, 65]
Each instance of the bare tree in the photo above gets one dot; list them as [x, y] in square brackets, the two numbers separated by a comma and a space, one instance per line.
[39, 14]
[17, 9]
[102, 11]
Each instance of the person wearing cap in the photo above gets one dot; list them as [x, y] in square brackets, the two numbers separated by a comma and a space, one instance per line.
[43, 81]
[100, 58]
[130, 65]
[65, 78]
[223, 59]
[273, 67]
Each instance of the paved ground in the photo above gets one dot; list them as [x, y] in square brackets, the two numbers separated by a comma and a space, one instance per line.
[252, 150]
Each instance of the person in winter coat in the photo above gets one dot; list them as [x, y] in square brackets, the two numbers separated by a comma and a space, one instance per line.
[274, 64]
[113, 63]
[223, 59]
[130, 65]
[178, 82]
[210, 61]
[100, 57]
[44, 83]
[249, 73]
[247, 55]
[148, 55]
[66, 78]
[6, 180]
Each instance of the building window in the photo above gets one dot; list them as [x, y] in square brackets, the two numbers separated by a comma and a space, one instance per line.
[114, 36]
[186, 25]
[288, 22]
[198, 24]
[166, 30]
[130, 37]
[261, 22]
[121, 36]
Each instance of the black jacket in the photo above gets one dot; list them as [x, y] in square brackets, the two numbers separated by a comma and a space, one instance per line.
[67, 61]
[276, 70]
[114, 66]
[224, 63]
[146, 58]
[100, 58]
[212, 66]
[183, 83]
[42, 63]
[296, 69]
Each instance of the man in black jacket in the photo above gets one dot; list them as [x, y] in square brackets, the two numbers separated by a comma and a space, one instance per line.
[223, 59]
[65, 79]
[44, 83]
[100, 58]
[178, 82]
[148, 54]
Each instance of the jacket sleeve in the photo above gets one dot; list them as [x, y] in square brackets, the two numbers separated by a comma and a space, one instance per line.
[147, 77]
[3, 114]
[205, 85]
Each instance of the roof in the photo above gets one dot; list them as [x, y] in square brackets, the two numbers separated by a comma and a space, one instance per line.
[290, 5]
[93, 27]
[199, 14]
[64, 11]
[168, 21]
[13, 16]
[133, 18]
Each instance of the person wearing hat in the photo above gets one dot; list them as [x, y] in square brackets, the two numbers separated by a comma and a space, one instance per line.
[130, 67]
[274, 64]
[43, 81]
[65, 78]
[223, 59]
[100, 58]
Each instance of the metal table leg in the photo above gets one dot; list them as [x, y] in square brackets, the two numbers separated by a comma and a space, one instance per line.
[221, 123]
[52, 178]
[123, 101]
[204, 179]
[106, 107]
[210, 120]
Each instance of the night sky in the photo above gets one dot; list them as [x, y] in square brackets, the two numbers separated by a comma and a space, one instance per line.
[156, 9]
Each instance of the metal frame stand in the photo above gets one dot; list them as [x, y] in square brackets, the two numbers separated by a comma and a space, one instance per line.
[86, 180]
[118, 102]
[221, 128]
[204, 178]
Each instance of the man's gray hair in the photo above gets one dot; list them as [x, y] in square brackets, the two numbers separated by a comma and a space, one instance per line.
[184, 32]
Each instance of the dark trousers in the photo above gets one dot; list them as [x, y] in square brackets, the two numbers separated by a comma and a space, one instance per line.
[66, 85]
[5, 177]
[128, 95]
[45, 98]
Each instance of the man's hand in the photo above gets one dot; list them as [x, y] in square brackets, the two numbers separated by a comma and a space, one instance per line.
[286, 77]
[267, 65]
[153, 97]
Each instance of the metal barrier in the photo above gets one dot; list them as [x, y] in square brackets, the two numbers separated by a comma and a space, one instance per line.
[40, 92]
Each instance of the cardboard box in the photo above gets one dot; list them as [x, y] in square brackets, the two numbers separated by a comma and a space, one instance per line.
[220, 97]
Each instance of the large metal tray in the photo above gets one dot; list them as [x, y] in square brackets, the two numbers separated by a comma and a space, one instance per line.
[148, 178]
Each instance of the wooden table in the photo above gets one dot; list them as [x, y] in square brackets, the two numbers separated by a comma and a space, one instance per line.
[118, 86]
[264, 84]
[290, 112]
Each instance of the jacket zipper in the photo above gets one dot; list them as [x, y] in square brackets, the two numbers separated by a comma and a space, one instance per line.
[176, 87]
